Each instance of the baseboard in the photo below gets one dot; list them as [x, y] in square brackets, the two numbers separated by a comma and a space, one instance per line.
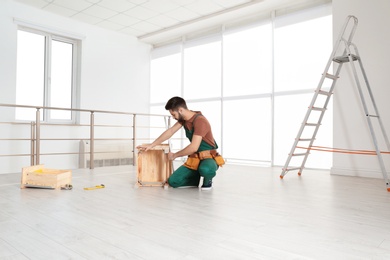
[366, 173]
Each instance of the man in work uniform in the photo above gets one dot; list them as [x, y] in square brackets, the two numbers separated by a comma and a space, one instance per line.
[201, 151]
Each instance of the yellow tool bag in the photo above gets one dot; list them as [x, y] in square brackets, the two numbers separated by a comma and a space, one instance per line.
[192, 161]
[219, 159]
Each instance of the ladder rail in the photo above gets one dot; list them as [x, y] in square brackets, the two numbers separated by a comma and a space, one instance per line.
[353, 30]
[355, 75]
[341, 37]
[370, 126]
[372, 99]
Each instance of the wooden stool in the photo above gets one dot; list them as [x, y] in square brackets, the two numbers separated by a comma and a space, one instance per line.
[154, 168]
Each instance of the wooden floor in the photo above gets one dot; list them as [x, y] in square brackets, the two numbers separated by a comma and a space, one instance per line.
[250, 214]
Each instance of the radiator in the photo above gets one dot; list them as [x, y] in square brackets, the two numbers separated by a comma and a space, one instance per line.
[106, 153]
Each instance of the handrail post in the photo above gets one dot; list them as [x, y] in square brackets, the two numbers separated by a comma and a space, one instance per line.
[32, 144]
[92, 142]
[168, 125]
[37, 136]
[134, 138]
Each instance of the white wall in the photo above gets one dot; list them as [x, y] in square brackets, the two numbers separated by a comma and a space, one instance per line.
[350, 125]
[7, 56]
[114, 70]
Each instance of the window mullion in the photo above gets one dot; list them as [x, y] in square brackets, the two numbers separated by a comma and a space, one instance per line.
[74, 101]
[47, 81]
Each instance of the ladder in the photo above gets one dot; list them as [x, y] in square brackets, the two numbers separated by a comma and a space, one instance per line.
[318, 106]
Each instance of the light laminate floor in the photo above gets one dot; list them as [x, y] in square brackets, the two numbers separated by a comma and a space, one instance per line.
[250, 214]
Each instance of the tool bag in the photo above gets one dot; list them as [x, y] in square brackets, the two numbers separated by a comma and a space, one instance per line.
[192, 161]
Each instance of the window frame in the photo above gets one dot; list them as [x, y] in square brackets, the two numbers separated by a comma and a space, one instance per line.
[76, 44]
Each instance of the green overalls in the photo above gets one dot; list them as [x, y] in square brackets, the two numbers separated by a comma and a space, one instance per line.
[207, 169]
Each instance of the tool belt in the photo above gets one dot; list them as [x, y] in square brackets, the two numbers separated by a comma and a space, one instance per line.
[194, 159]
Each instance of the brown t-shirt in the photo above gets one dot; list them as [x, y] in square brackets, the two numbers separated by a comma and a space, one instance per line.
[201, 127]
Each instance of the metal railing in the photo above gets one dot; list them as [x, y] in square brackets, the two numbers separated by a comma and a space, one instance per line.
[36, 127]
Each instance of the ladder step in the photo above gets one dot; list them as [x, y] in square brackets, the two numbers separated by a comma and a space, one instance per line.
[372, 116]
[345, 58]
[305, 139]
[299, 154]
[330, 76]
[318, 108]
[312, 124]
[326, 93]
[291, 169]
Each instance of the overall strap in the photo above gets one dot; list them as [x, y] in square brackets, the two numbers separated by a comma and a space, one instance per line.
[193, 121]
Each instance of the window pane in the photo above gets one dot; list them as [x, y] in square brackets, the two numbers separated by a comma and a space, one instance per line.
[61, 79]
[246, 137]
[301, 53]
[165, 78]
[30, 73]
[248, 61]
[202, 71]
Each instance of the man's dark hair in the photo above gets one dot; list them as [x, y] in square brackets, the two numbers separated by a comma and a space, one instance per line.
[174, 104]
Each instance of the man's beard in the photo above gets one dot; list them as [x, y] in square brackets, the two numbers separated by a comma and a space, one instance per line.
[180, 118]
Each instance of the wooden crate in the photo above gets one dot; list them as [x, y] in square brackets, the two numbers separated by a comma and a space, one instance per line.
[38, 176]
[154, 168]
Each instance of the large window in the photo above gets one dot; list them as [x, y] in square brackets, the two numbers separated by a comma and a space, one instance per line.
[247, 86]
[247, 70]
[166, 71]
[46, 75]
[202, 68]
[255, 83]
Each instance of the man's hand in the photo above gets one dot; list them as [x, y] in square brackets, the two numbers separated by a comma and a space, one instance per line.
[171, 156]
[144, 147]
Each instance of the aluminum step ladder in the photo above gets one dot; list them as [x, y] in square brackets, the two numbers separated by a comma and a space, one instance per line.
[344, 51]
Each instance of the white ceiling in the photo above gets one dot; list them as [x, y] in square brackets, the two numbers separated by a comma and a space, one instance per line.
[154, 21]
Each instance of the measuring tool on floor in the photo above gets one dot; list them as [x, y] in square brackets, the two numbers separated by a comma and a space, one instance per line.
[101, 186]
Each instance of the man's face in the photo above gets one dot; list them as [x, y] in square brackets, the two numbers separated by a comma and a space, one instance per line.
[176, 114]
